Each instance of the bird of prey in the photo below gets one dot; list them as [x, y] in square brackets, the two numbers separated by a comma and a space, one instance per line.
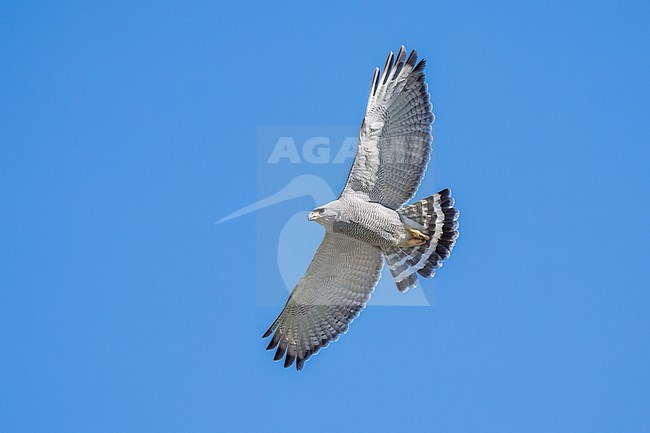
[369, 222]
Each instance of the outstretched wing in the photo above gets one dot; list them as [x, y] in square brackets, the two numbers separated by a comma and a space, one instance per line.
[395, 136]
[327, 298]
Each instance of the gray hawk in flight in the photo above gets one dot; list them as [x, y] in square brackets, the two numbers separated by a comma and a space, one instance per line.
[369, 223]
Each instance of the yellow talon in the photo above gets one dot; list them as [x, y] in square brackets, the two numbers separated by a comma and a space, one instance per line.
[418, 238]
[417, 234]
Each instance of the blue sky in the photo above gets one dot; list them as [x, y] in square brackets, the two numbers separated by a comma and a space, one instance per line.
[128, 128]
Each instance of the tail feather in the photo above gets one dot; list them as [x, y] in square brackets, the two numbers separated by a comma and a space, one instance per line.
[400, 261]
[439, 218]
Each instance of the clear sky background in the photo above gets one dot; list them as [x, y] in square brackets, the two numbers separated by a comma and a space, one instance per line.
[128, 128]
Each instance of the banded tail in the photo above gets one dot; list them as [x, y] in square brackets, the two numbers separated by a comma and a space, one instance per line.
[437, 218]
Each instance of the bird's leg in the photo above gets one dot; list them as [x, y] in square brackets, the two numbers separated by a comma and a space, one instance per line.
[417, 234]
[418, 238]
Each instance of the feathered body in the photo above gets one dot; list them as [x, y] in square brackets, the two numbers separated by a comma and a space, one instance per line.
[372, 223]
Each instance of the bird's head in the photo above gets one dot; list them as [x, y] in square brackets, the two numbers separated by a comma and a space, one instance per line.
[326, 214]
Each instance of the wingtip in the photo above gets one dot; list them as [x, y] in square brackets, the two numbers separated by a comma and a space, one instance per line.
[412, 58]
[271, 345]
[401, 54]
[373, 84]
[387, 68]
[289, 359]
[282, 349]
[270, 330]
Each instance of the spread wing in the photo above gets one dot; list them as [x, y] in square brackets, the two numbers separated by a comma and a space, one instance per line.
[330, 295]
[395, 136]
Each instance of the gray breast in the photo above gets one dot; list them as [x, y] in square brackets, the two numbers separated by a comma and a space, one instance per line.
[370, 223]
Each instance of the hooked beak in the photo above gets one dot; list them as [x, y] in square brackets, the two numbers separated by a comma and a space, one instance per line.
[313, 216]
